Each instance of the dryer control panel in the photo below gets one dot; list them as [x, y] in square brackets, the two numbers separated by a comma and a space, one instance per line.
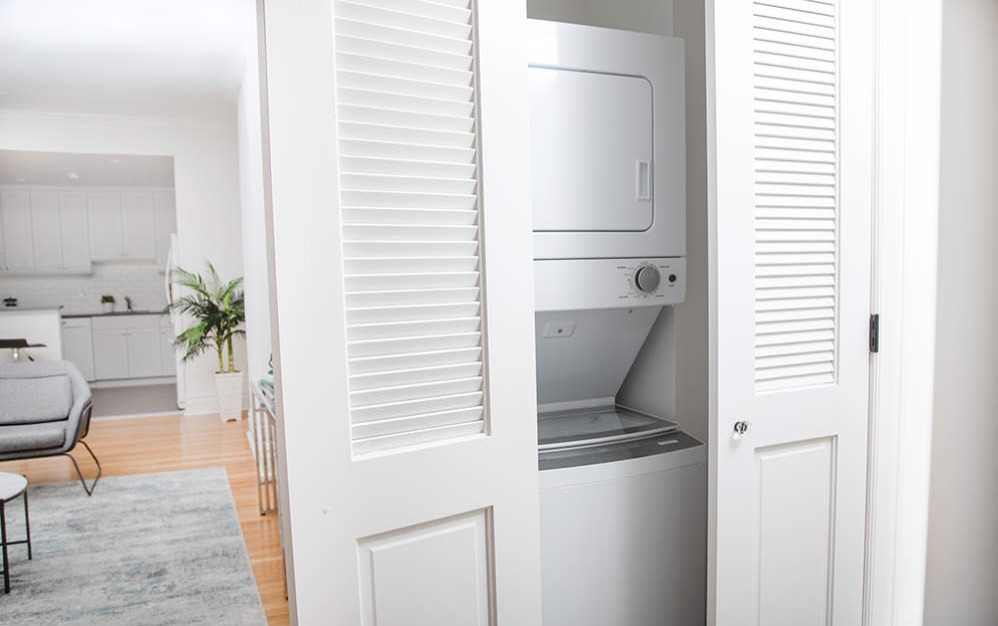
[573, 284]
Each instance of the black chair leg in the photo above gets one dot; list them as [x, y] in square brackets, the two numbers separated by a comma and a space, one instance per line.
[89, 489]
[3, 546]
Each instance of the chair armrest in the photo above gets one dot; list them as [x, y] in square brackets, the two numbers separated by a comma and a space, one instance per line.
[84, 426]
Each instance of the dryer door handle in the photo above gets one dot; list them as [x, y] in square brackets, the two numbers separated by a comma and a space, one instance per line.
[642, 180]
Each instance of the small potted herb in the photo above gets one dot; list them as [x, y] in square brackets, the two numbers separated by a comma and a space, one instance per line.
[107, 302]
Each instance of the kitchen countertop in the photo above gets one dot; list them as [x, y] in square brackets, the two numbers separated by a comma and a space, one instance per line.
[74, 313]
[114, 314]
[27, 309]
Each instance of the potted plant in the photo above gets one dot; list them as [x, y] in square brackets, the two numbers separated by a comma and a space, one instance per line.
[107, 303]
[218, 311]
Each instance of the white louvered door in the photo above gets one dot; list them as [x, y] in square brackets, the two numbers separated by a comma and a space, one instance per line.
[791, 156]
[409, 204]
[405, 309]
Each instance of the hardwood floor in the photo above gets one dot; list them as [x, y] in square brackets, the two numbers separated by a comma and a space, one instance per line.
[169, 443]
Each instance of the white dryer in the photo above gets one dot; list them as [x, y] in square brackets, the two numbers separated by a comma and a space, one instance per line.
[608, 143]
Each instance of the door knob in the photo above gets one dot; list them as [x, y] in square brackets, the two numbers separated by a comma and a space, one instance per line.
[740, 428]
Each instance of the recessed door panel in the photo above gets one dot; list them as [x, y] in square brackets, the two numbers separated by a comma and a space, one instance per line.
[396, 589]
[591, 151]
[796, 509]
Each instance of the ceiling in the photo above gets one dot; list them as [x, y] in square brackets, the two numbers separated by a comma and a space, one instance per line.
[131, 57]
[54, 168]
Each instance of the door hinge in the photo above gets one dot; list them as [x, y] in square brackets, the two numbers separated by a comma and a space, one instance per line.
[875, 332]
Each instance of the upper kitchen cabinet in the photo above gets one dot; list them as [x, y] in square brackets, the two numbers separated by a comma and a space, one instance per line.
[46, 231]
[138, 210]
[106, 227]
[75, 232]
[16, 255]
[59, 232]
[166, 225]
[122, 225]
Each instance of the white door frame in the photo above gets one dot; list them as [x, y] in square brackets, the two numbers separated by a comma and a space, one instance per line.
[904, 294]
[906, 205]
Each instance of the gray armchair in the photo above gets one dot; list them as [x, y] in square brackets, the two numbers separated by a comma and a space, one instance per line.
[45, 410]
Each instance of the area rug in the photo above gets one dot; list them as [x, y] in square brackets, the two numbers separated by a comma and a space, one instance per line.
[151, 549]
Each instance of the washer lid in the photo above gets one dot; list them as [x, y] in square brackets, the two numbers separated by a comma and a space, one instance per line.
[582, 428]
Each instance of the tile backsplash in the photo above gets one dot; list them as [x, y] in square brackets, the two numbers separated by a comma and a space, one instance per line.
[142, 282]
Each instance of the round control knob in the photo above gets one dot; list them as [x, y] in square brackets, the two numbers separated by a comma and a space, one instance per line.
[646, 279]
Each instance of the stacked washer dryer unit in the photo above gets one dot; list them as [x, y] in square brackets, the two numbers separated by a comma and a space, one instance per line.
[623, 505]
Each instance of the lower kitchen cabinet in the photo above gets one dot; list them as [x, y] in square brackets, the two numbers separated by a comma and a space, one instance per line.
[144, 352]
[129, 346]
[78, 345]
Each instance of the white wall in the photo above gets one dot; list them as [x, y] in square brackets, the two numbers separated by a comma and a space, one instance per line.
[254, 233]
[206, 181]
[649, 16]
[962, 566]
[142, 282]
[691, 316]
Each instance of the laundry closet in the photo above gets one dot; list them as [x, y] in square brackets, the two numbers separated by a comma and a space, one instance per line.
[622, 487]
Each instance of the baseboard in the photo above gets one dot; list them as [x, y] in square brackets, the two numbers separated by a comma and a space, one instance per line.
[202, 405]
[133, 382]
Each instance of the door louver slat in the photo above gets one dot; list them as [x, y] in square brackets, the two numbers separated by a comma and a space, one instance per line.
[412, 16]
[416, 432]
[364, 414]
[410, 312]
[380, 32]
[406, 345]
[398, 362]
[382, 215]
[795, 91]
[409, 205]
[411, 376]
[402, 425]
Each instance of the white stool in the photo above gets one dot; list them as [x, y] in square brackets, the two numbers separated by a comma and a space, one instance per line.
[11, 486]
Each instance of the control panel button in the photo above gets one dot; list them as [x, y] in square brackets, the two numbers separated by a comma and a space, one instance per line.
[646, 279]
[672, 278]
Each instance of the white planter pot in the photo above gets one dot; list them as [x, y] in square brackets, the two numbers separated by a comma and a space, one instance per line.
[229, 390]
[108, 307]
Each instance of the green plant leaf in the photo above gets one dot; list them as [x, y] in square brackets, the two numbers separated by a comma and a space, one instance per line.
[218, 310]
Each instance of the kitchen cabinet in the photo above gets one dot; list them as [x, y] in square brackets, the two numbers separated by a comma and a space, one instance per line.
[122, 225]
[59, 232]
[75, 233]
[78, 345]
[144, 358]
[110, 353]
[105, 225]
[46, 231]
[129, 346]
[15, 222]
[52, 230]
[138, 210]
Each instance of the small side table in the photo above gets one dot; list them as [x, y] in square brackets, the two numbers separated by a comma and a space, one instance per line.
[11, 486]
[17, 345]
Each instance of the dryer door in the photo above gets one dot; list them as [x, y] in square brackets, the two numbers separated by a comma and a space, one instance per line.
[591, 136]
[607, 143]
